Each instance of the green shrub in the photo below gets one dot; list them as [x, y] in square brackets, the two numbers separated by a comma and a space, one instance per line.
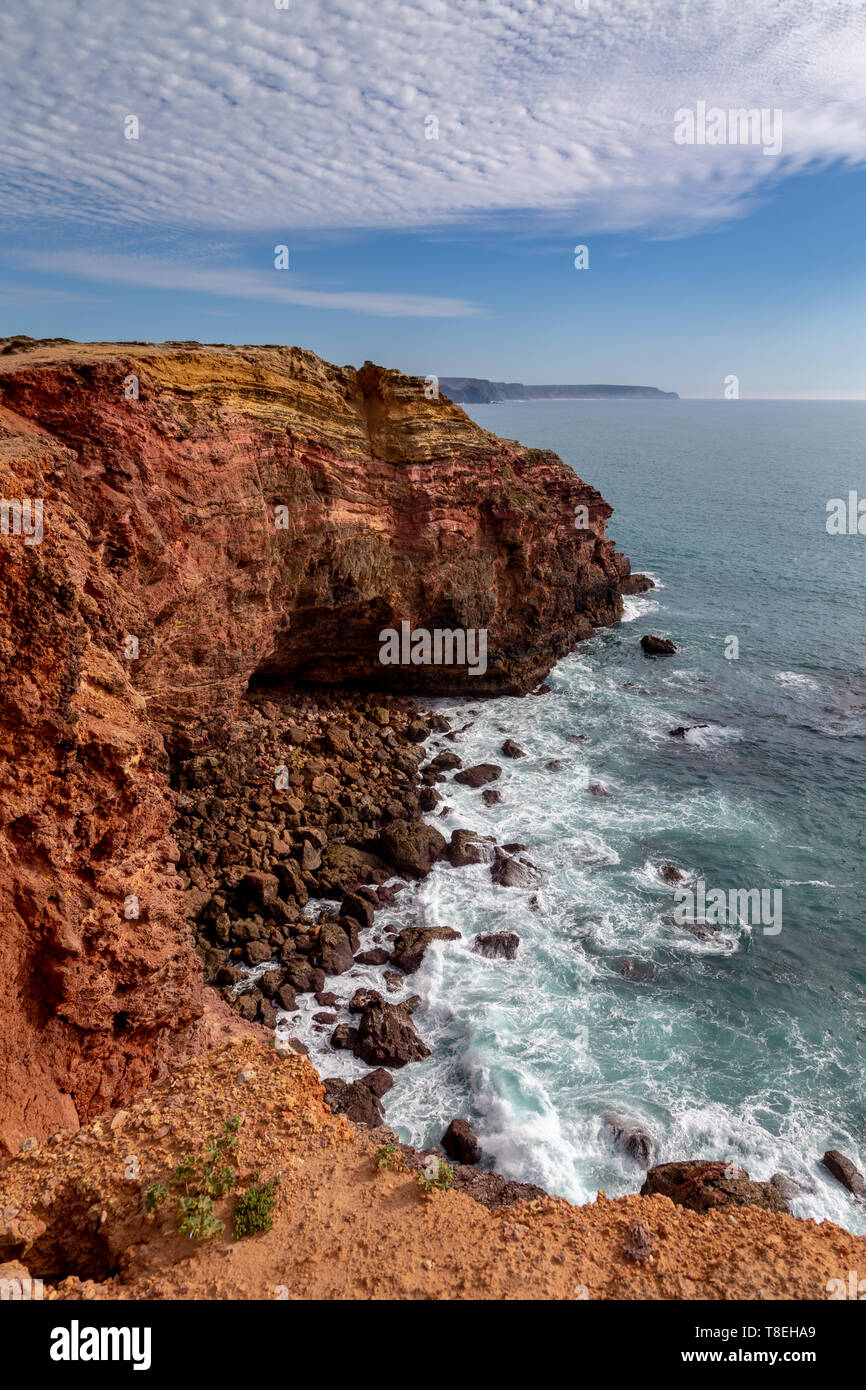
[196, 1218]
[435, 1176]
[254, 1209]
[391, 1156]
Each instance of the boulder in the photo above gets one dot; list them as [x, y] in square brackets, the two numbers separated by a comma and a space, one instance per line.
[428, 798]
[344, 1037]
[285, 997]
[701, 1185]
[496, 944]
[656, 646]
[332, 951]
[636, 584]
[411, 943]
[444, 762]
[354, 1100]
[376, 956]
[460, 1143]
[631, 1138]
[413, 847]
[510, 872]
[259, 888]
[786, 1185]
[479, 775]
[379, 1081]
[671, 874]
[386, 1037]
[361, 998]
[510, 749]
[597, 789]
[845, 1171]
[354, 905]
[491, 796]
[682, 729]
[466, 847]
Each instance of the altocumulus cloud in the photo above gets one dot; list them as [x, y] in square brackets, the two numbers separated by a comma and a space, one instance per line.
[314, 116]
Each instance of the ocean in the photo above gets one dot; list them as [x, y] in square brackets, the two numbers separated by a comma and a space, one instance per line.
[742, 1044]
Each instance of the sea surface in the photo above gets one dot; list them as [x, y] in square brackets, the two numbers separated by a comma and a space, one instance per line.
[744, 1045]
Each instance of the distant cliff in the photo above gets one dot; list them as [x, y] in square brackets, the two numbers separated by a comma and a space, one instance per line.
[476, 390]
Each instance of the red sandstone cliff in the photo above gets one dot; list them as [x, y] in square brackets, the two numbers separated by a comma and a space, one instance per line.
[159, 524]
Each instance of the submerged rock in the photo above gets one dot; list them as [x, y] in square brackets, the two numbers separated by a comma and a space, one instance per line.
[631, 1137]
[496, 944]
[511, 872]
[657, 646]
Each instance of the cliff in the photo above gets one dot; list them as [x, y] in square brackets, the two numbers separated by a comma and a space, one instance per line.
[215, 516]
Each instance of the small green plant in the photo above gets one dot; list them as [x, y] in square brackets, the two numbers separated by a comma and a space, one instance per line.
[254, 1209]
[201, 1181]
[435, 1176]
[196, 1218]
[391, 1156]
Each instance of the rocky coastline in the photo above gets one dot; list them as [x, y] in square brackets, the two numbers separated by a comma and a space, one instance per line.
[212, 791]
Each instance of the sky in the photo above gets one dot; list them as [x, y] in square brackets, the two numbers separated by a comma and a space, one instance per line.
[431, 169]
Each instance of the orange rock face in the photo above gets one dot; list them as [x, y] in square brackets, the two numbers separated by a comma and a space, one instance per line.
[212, 516]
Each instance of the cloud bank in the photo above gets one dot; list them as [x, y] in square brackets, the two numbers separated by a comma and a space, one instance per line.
[318, 115]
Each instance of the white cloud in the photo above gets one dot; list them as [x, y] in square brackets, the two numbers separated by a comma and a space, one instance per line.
[253, 117]
[275, 287]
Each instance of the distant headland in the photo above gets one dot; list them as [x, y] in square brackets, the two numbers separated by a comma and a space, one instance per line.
[475, 390]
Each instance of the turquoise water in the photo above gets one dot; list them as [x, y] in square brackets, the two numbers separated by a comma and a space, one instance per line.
[745, 1046]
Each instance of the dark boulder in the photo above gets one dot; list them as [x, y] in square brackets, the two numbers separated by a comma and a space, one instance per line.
[332, 951]
[413, 847]
[636, 584]
[491, 796]
[656, 646]
[354, 1100]
[460, 1143]
[467, 847]
[361, 998]
[510, 872]
[671, 874]
[845, 1171]
[354, 905]
[510, 749]
[379, 1081]
[445, 762]
[412, 942]
[387, 1038]
[496, 944]
[701, 1185]
[376, 956]
[479, 775]
[344, 1037]
[631, 1138]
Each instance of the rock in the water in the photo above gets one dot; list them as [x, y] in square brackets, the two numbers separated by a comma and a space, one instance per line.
[597, 789]
[671, 874]
[510, 872]
[412, 942]
[510, 749]
[786, 1186]
[379, 1081]
[631, 1138]
[638, 970]
[344, 1037]
[701, 1185]
[332, 951]
[656, 646]
[353, 1099]
[682, 729]
[491, 796]
[466, 847]
[637, 584]
[479, 775]
[460, 1143]
[354, 905]
[496, 944]
[376, 956]
[387, 1037]
[413, 847]
[445, 762]
[361, 998]
[845, 1171]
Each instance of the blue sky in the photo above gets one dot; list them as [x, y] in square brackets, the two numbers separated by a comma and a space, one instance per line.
[306, 127]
